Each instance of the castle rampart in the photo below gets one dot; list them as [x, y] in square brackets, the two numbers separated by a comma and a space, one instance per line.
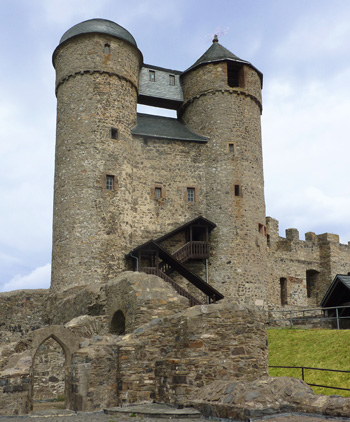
[301, 270]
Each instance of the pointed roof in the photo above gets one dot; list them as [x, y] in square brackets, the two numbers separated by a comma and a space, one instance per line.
[218, 53]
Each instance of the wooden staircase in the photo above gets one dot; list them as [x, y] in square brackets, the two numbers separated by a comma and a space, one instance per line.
[153, 258]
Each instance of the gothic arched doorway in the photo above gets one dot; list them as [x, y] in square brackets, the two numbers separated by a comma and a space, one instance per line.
[49, 375]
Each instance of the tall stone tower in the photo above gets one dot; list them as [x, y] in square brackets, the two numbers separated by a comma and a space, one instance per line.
[97, 66]
[124, 178]
[222, 100]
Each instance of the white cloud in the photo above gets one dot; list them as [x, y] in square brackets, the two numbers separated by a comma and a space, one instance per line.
[37, 279]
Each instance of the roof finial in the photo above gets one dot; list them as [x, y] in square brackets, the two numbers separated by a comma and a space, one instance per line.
[215, 39]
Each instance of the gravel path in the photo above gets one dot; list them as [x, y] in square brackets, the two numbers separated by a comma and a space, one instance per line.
[101, 417]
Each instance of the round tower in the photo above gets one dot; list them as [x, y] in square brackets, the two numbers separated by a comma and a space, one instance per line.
[222, 100]
[97, 65]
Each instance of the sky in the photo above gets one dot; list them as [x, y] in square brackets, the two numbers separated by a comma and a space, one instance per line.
[302, 47]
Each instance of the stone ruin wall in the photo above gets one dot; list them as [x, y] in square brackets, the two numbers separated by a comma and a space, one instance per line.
[165, 359]
[22, 311]
[291, 258]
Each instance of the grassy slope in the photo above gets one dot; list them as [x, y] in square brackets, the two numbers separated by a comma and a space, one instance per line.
[328, 349]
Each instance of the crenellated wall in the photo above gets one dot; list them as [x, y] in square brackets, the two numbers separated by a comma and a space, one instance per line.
[307, 267]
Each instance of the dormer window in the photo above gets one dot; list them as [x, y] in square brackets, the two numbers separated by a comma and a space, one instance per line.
[152, 76]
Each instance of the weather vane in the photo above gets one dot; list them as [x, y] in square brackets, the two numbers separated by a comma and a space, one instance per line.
[219, 32]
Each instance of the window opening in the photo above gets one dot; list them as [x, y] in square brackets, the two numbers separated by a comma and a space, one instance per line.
[158, 193]
[237, 190]
[311, 282]
[235, 75]
[107, 49]
[118, 323]
[283, 286]
[114, 133]
[109, 182]
[172, 80]
[231, 148]
[152, 75]
[190, 194]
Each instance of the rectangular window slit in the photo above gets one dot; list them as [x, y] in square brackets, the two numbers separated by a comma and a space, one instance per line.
[109, 182]
[158, 193]
[152, 75]
[114, 133]
[231, 148]
[190, 195]
[172, 80]
[237, 190]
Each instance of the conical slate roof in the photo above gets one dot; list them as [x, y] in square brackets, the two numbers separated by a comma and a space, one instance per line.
[218, 53]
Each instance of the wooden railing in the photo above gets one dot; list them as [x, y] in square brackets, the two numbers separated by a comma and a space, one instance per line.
[192, 250]
[179, 289]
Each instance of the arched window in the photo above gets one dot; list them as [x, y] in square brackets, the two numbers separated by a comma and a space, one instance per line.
[118, 323]
[283, 288]
[311, 283]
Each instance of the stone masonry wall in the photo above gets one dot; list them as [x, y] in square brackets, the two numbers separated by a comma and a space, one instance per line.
[22, 311]
[165, 359]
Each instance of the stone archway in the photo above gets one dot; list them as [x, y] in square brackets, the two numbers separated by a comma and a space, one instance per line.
[55, 345]
[49, 375]
[117, 325]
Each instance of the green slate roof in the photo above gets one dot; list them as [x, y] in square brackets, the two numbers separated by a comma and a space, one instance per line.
[164, 128]
[102, 26]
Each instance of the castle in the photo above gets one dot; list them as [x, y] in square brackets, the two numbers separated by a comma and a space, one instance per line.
[152, 216]
[124, 178]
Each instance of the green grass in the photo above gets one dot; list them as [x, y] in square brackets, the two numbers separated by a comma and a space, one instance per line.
[315, 348]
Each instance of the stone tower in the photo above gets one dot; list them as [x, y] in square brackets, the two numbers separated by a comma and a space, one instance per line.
[222, 100]
[124, 178]
[97, 66]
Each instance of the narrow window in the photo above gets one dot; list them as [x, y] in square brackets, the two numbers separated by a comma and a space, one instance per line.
[109, 182]
[158, 193]
[237, 190]
[107, 49]
[231, 148]
[172, 80]
[190, 194]
[283, 286]
[261, 228]
[235, 75]
[114, 133]
[152, 75]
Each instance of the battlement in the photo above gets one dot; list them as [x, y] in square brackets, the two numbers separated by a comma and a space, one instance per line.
[292, 235]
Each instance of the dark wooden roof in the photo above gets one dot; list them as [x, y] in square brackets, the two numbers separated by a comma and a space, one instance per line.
[198, 221]
[338, 292]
